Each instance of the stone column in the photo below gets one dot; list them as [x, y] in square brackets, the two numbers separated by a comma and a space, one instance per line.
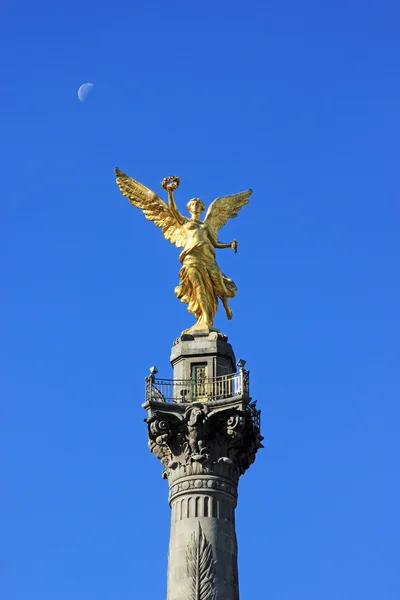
[204, 447]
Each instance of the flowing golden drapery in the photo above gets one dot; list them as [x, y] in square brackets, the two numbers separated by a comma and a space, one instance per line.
[202, 282]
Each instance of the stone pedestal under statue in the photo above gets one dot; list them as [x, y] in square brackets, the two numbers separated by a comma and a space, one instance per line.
[205, 429]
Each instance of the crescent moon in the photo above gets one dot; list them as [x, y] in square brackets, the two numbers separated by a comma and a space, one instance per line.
[84, 90]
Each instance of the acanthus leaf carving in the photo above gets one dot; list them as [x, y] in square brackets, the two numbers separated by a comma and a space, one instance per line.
[200, 567]
[206, 436]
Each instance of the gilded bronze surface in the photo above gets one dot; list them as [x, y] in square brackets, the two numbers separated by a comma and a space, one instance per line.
[201, 280]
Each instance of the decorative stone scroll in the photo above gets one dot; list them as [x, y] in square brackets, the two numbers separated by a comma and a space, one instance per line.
[202, 439]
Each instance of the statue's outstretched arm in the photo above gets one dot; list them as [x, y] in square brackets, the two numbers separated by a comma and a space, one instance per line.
[233, 244]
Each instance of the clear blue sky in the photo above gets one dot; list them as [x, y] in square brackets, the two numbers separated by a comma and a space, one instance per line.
[298, 100]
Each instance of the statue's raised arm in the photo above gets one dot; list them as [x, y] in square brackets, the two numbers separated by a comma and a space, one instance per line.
[154, 208]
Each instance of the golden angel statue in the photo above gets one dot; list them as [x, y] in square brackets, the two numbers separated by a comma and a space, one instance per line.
[201, 280]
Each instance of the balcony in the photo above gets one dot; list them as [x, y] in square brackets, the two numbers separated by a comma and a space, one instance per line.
[205, 390]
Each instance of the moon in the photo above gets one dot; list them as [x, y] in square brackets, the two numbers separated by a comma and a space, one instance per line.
[84, 90]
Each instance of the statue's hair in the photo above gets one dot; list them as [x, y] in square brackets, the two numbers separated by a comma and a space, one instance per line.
[202, 203]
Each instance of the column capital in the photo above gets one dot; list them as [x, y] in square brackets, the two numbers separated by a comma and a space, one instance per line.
[219, 439]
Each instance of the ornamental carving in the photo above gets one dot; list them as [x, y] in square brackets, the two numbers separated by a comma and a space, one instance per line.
[204, 439]
[200, 566]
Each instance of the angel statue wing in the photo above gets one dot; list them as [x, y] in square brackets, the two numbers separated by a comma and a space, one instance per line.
[223, 208]
[153, 207]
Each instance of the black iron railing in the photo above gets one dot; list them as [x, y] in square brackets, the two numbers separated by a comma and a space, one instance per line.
[209, 389]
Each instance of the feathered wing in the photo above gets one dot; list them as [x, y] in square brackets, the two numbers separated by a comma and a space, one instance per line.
[153, 207]
[223, 208]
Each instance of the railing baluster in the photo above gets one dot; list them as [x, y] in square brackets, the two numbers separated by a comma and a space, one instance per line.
[181, 390]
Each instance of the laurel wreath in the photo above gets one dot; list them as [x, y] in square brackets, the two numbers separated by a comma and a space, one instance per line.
[170, 183]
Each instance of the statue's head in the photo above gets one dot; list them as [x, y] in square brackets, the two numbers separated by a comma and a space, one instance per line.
[196, 206]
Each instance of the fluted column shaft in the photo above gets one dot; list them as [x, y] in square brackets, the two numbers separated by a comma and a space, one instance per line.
[203, 547]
